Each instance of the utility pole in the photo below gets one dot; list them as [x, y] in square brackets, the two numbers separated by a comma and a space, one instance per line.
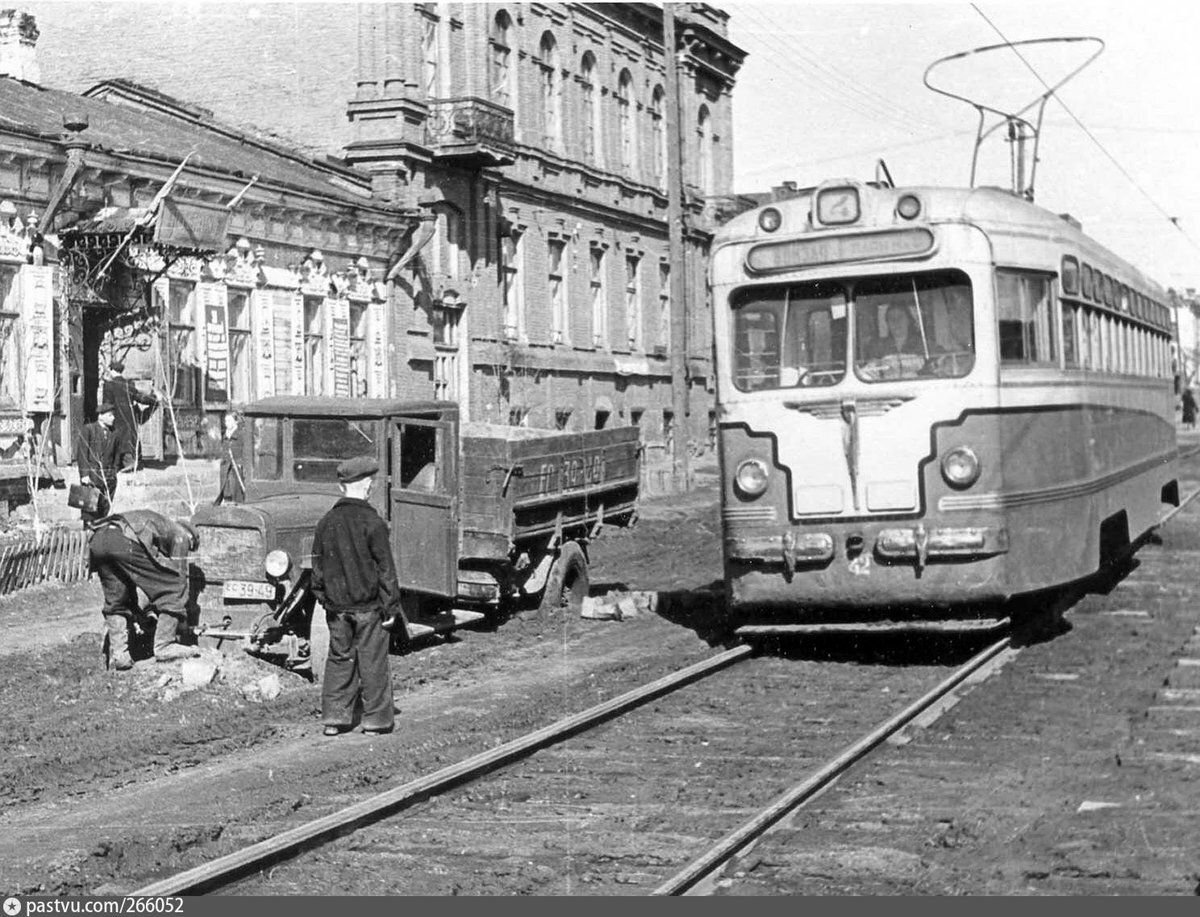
[676, 257]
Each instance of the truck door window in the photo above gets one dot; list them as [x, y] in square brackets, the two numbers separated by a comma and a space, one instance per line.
[268, 448]
[320, 445]
[418, 458]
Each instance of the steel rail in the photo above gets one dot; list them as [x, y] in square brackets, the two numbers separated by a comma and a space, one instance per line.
[241, 862]
[728, 846]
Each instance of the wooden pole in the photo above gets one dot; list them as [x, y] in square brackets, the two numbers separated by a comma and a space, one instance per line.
[676, 256]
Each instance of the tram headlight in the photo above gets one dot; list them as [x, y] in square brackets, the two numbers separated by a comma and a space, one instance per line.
[751, 477]
[909, 207]
[770, 219]
[277, 564]
[960, 467]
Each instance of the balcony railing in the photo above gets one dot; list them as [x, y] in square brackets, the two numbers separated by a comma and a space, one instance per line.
[471, 129]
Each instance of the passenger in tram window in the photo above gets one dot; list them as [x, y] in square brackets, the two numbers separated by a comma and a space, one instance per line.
[956, 356]
[1189, 409]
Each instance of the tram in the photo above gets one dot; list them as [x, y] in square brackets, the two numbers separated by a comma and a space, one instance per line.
[930, 400]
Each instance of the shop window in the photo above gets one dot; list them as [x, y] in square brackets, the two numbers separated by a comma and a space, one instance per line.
[183, 358]
[359, 361]
[314, 346]
[240, 347]
[10, 361]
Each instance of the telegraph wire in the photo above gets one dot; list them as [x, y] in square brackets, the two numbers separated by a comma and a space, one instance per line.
[1174, 221]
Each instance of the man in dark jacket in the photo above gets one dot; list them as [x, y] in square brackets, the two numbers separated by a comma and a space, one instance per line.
[354, 579]
[96, 451]
[142, 549]
[123, 395]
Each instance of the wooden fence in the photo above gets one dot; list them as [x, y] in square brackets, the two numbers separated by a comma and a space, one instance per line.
[58, 555]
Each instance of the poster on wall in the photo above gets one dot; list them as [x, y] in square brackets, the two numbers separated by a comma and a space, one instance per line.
[298, 344]
[264, 344]
[337, 314]
[378, 352]
[214, 306]
[37, 315]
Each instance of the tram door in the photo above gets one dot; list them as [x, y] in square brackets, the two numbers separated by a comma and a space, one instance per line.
[424, 502]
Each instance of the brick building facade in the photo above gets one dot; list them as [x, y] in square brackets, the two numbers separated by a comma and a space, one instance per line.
[531, 138]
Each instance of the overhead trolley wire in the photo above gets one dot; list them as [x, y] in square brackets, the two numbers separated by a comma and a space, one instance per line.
[1174, 221]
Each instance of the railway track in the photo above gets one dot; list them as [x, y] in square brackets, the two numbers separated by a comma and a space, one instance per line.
[224, 871]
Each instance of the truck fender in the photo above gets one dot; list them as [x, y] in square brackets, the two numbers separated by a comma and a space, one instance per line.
[536, 580]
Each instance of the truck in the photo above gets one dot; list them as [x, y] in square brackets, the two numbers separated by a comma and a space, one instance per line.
[484, 519]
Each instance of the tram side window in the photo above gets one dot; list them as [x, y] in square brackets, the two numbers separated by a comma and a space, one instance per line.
[1023, 311]
[1071, 349]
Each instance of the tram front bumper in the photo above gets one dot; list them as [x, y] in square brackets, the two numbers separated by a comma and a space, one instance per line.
[917, 543]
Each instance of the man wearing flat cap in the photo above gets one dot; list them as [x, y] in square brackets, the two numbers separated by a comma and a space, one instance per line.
[96, 451]
[143, 549]
[123, 395]
[354, 579]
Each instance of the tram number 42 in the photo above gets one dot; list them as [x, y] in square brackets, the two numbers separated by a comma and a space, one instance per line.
[571, 473]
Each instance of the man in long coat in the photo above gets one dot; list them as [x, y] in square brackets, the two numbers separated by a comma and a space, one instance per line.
[123, 395]
[96, 451]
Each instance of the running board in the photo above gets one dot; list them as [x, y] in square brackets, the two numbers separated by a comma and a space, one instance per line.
[443, 623]
[981, 625]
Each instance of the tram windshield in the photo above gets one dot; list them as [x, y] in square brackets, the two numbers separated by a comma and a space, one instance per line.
[904, 327]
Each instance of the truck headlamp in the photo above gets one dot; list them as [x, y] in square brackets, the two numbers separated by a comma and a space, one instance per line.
[277, 564]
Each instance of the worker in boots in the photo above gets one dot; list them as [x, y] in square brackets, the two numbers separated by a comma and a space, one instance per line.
[144, 550]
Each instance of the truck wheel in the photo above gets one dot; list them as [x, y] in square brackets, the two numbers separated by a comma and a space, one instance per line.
[568, 583]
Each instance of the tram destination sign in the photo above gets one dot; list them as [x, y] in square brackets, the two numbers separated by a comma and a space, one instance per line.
[771, 257]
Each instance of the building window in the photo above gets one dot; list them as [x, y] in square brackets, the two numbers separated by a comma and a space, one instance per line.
[599, 298]
[626, 122]
[562, 419]
[359, 358]
[658, 138]
[706, 178]
[500, 48]
[183, 358]
[240, 347]
[560, 327]
[668, 431]
[430, 56]
[446, 250]
[591, 111]
[10, 361]
[445, 322]
[551, 93]
[664, 306]
[518, 417]
[633, 301]
[314, 346]
[512, 253]
[601, 422]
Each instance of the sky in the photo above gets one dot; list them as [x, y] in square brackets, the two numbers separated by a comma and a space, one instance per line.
[830, 88]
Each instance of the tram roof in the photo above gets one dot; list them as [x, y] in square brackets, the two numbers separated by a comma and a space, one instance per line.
[987, 207]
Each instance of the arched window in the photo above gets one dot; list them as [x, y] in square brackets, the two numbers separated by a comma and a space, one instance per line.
[706, 177]
[499, 62]
[625, 120]
[591, 109]
[658, 137]
[551, 92]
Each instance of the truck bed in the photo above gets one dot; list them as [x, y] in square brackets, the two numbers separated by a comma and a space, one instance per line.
[532, 483]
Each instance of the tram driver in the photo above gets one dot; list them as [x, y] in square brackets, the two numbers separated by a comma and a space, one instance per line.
[899, 353]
